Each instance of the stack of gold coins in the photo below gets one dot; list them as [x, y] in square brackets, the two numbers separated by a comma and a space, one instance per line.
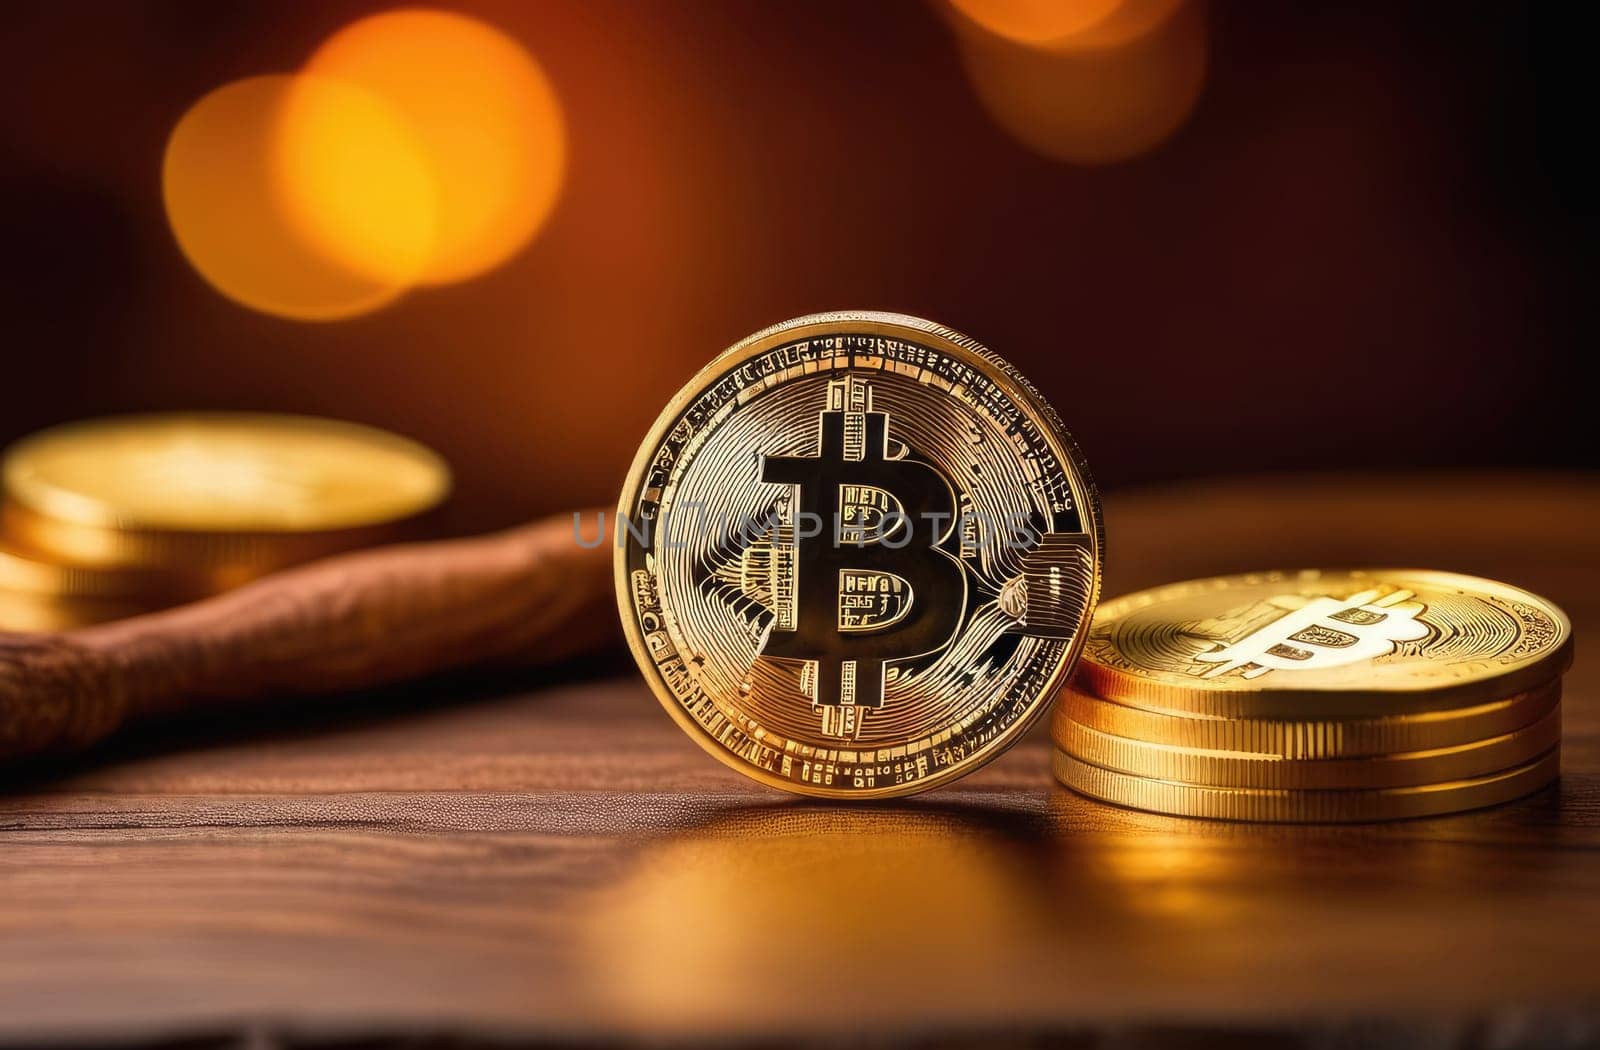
[1317, 696]
[110, 517]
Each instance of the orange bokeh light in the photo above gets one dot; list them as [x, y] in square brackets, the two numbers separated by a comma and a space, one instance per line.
[1067, 25]
[354, 181]
[1112, 92]
[223, 182]
[415, 147]
[1036, 22]
[483, 115]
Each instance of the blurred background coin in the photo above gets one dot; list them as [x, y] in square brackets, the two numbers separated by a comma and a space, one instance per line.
[137, 512]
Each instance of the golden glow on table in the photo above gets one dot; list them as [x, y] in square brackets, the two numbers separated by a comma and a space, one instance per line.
[761, 893]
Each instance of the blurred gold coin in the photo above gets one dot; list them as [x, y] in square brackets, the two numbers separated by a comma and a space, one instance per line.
[21, 572]
[1312, 737]
[1317, 644]
[1250, 770]
[206, 489]
[223, 472]
[1297, 806]
[23, 611]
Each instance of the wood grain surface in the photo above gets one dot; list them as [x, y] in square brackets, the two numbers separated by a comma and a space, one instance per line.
[553, 861]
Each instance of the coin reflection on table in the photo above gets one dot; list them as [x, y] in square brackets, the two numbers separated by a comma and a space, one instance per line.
[827, 921]
[827, 914]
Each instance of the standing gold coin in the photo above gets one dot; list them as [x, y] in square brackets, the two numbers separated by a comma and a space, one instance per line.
[196, 490]
[1310, 738]
[1248, 770]
[858, 554]
[1310, 807]
[1318, 644]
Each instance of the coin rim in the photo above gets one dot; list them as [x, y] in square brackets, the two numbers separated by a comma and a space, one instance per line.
[1209, 732]
[56, 503]
[24, 571]
[188, 560]
[1278, 805]
[1235, 698]
[1205, 767]
[866, 322]
[47, 613]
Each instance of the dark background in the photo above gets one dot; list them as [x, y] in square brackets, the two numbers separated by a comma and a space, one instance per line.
[1367, 247]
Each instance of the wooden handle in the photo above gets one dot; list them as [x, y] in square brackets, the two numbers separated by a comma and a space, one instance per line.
[357, 621]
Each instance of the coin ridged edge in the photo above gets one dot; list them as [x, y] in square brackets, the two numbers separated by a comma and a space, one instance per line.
[1242, 770]
[1312, 737]
[182, 553]
[23, 573]
[25, 612]
[1269, 805]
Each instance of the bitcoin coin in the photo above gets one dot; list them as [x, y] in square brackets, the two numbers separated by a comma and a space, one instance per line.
[1316, 644]
[1244, 769]
[858, 554]
[1310, 807]
[1312, 737]
[186, 490]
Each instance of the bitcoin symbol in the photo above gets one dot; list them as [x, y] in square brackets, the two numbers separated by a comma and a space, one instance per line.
[868, 588]
[862, 540]
[1325, 632]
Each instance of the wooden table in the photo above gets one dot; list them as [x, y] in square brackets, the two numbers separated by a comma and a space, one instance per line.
[557, 862]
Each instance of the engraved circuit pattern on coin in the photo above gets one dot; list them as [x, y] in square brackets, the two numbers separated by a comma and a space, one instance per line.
[1324, 642]
[859, 554]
